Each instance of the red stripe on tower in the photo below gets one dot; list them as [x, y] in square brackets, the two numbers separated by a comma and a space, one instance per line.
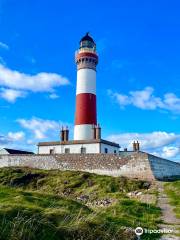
[86, 109]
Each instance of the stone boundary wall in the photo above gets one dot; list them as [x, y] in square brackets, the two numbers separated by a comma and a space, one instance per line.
[109, 164]
[135, 165]
[27, 160]
[163, 168]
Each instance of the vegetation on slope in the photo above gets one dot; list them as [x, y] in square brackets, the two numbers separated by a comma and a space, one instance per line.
[67, 205]
[173, 191]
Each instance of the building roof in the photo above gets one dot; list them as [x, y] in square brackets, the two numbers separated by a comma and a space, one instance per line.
[79, 142]
[15, 151]
[87, 38]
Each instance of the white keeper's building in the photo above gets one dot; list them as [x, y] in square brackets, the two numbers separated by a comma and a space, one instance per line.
[82, 146]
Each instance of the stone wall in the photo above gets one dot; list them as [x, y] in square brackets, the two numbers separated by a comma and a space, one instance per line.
[164, 169]
[33, 161]
[134, 164]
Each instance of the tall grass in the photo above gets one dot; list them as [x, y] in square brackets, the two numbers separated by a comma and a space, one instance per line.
[43, 205]
[173, 191]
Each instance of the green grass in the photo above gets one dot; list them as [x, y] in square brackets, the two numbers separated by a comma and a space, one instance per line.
[173, 191]
[43, 205]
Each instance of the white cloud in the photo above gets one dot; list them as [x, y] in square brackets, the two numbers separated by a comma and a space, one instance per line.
[15, 140]
[172, 102]
[147, 140]
[170, 151]
[11, 138]
[162, 144]
[35, 129]
[4, 46]
[53, 96]
[145, 99]
[17, 85]
[11, 95]
[41, 82]
[16, 136]
[39, 127]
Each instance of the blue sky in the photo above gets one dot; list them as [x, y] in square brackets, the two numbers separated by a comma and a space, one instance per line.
[138, 76]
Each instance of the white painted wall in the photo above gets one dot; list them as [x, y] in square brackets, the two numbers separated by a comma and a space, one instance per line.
[90, 148]
[46, 149]
[74, 148]
[83, 132]
[111, 149]
[3, 151]
[86, 81]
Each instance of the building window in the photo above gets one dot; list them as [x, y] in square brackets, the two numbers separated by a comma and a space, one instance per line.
[115, 152]
[67, 150]
[106, 150]
[51, 151]
[83, 150]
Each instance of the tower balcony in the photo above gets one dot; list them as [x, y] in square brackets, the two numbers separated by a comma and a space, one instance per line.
[85, 49]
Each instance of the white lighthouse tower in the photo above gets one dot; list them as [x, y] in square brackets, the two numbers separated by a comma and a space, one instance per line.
[87, 133]
[86, 115]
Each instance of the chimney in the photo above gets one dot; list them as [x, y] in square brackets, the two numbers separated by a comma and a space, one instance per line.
[134, 146]
[62, 134]
[94, 131]
[66, 134]
[137, 146]
[98, 132]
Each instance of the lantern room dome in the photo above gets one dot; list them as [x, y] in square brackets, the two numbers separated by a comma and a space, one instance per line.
[87, 42]
[87, 38]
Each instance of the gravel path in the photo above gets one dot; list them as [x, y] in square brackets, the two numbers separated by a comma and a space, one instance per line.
[168, 216]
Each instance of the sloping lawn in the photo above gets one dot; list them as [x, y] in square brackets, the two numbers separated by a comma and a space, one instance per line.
[38, 204]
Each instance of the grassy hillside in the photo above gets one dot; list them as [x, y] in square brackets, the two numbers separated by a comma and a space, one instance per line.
[43, 205]
[173, 191]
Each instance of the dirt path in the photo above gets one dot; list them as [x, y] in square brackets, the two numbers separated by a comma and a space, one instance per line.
[168, 216]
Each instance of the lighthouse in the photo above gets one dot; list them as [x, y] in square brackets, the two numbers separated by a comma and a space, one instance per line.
[87, 132]
[86, 114]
